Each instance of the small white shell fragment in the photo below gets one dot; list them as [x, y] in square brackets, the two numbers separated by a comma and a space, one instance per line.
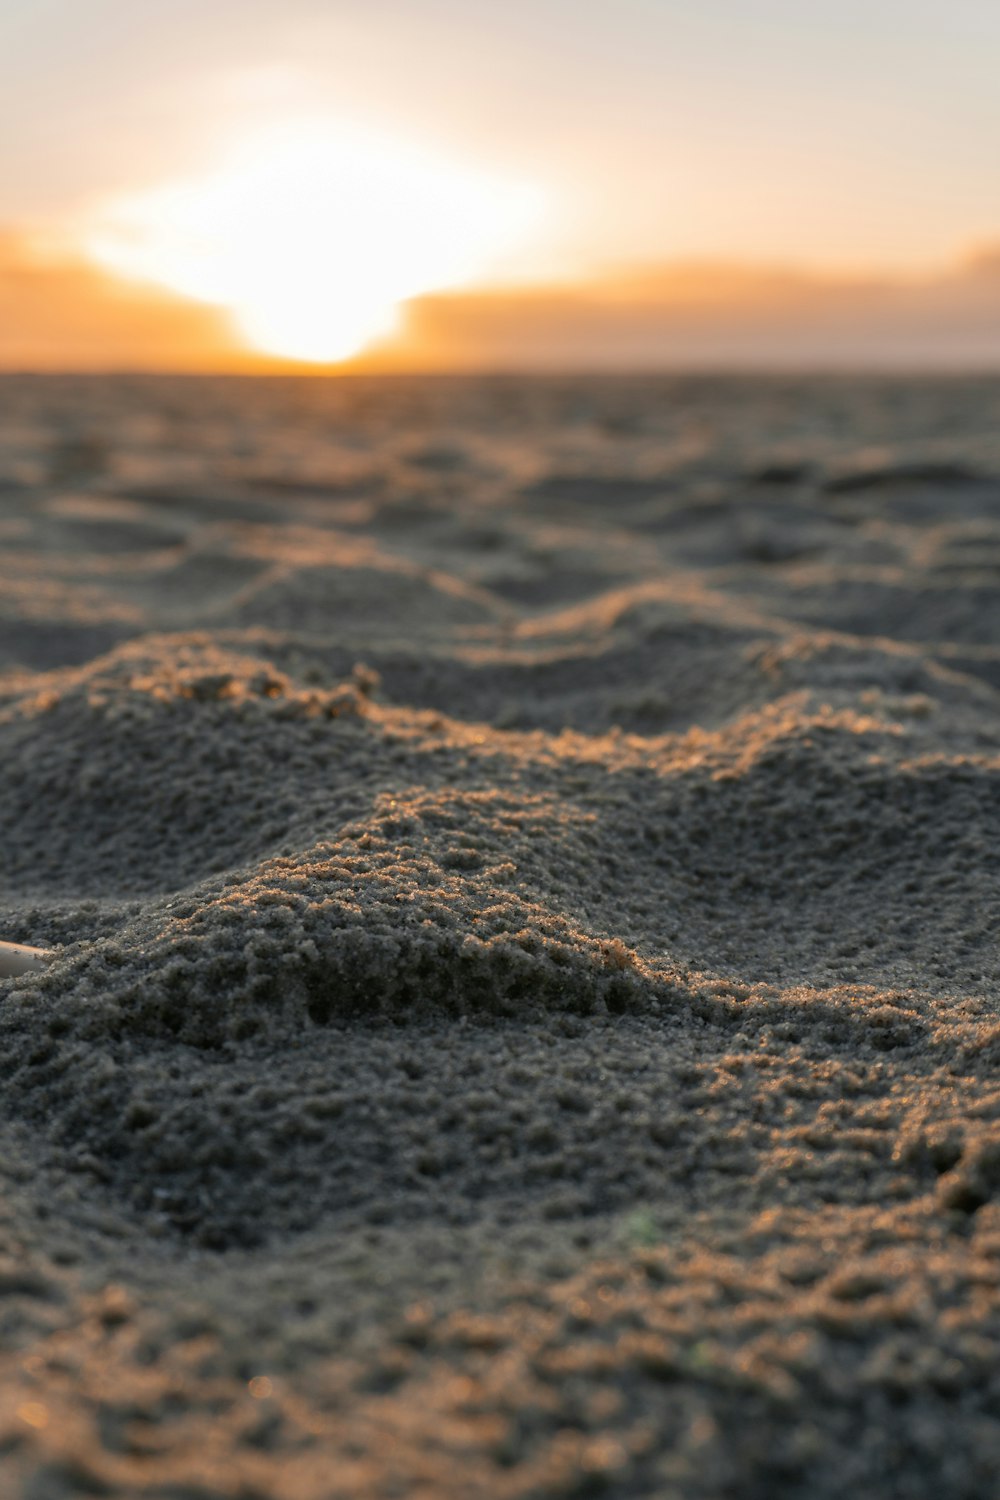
[18, 958]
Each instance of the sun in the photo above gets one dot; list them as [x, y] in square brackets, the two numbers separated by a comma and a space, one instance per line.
[314, 234]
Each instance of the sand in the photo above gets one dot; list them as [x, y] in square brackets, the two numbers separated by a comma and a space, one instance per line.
[522, 863]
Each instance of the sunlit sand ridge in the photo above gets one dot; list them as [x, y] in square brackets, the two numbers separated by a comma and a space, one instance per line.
[520, 864]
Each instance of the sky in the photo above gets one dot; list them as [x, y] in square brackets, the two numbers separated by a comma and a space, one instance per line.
[826, 165]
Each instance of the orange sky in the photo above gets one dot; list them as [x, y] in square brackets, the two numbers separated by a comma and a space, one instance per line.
[443, 185]
[66, 314]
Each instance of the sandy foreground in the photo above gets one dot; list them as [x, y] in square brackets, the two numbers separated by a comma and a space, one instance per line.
[523, 861]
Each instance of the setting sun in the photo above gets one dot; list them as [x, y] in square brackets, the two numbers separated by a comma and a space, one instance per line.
[313, 235]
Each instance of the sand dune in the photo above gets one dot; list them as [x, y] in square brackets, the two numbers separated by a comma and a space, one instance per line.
[521, 863]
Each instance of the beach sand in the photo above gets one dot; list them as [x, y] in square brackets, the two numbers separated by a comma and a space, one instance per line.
[522, 859]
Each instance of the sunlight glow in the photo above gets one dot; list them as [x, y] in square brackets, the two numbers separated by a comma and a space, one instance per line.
[314, 234]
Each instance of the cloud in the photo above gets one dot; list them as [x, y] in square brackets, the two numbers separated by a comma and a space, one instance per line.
[57, 312]
[724, 316]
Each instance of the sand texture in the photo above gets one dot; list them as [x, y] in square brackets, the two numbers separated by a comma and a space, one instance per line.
[522, 860]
